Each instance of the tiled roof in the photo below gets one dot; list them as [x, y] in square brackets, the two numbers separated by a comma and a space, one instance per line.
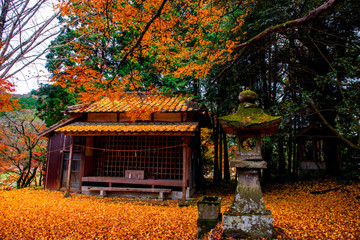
[116, 127]
[131, 101]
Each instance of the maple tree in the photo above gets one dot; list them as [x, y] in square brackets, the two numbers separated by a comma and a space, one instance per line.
[23, 34]
[6, 101]
[180, 37]
[22, 151]
[183, 39]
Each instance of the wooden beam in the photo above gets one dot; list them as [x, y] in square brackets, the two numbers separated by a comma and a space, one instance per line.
[68, 179]
[47, 131]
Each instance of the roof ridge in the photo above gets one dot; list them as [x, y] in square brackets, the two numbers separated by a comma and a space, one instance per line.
[132, 101]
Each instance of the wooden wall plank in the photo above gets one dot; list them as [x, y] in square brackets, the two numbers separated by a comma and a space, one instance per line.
[123, 117]
[54, 162]
[167, 117]
[102, 117]
[89, 145]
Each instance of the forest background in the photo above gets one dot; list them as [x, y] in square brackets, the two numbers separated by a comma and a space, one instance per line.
[301, 57]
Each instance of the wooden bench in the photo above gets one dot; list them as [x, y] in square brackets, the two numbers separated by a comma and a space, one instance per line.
[103, 190]
[121, 180]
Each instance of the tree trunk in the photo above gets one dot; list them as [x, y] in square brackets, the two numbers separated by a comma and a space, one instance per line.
[216, 162]
[331, 156]
[290, 156]
[220, 151]
[226, 159]
[268, 158]
[41, 176]
[4, 12]
[28, 167]
[296, 160]
[196, 87]
[30, 178]
[281, 156]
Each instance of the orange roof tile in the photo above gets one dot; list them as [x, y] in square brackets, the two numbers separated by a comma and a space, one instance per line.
[116, 127]
[131, 101]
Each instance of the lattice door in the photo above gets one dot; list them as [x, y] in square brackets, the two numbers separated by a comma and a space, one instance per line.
[160, 157]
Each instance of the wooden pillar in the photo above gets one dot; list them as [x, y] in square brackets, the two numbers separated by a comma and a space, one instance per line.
[184, 169]
[82, 169]
[186, 166]
[68, 179]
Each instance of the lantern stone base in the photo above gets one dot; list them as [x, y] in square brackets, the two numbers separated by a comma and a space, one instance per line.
[248, 217]
[248, 225]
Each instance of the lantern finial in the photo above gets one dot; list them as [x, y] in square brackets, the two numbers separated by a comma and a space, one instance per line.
[248, 96]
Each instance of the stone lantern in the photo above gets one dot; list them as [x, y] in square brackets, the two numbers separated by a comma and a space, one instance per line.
[248, 217]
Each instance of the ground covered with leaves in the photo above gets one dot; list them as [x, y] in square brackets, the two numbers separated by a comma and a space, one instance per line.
[316, 209]
[323, 209]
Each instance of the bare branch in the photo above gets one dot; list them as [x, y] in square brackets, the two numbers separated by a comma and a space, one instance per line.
[311, 16]
[319, 113]
[24, 33]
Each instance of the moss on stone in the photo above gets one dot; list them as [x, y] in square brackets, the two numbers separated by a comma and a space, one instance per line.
[248, 96]
[248, 115]
[249, 93]
[205, 225]
[210, 200]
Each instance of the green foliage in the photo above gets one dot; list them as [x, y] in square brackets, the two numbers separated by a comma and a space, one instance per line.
[296, 72]
[27, 102]
[51, 103]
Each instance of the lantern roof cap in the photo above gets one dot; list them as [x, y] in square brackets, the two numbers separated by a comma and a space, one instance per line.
[250, 117]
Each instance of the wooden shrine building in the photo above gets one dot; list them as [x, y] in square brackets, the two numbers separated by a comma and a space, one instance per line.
[158, 154]
[312, 145]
